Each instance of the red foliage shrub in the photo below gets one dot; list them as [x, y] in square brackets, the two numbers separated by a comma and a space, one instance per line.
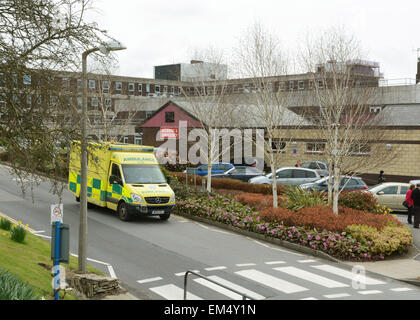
[258, 201]
[322, 217]
[229, 184]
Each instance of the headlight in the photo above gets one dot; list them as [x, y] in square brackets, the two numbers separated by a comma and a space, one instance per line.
[172, 198]
[136, 198]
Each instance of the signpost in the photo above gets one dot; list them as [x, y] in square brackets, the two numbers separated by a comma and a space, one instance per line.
[60, 236]
[169, 133]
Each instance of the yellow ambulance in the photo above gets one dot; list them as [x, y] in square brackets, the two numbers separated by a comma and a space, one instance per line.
[123, 177]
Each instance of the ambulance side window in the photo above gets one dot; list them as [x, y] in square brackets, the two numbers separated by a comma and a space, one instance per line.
[115, 173]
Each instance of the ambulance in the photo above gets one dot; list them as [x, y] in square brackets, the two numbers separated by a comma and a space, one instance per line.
[123, 177]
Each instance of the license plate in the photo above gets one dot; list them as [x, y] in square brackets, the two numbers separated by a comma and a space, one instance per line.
[158, 211]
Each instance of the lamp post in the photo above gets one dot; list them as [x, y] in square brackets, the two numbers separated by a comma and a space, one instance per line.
[105, 49]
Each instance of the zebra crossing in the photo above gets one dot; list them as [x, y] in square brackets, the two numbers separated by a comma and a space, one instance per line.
[303, 280]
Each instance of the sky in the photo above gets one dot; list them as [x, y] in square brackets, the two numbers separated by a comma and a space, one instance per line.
[159, 32]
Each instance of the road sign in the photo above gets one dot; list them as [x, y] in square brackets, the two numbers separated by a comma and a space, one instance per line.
[56, 213]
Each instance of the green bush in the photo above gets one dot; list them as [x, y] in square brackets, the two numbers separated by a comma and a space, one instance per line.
[359, 200]
[5, 224]
[299, 198]
[12, 288]
[18, 233]
[391, 239]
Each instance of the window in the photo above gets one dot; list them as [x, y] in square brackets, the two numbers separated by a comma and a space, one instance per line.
[320, 84]
[79, 83]
[291, 85]
[148, 114]
[222, 167]
[390, 190]
[79, 101]
[131, 88]
[170, 116]
[105, 85]
[140, 88]
[172, 89]
[116, 171]
[125, 139]
[277, 145]
[94, 102]
[165, 89]
[138, 141]
[301, 85]
[284, 174]
[252, 170]
[359, 150]
[26, 79]
[310, 174]
[315, 147]
[118, 86]
[299, 173]
[92, 84]
[157, 88]
[66, 83]
[311, 84]
[147, 88]
[282, 86]
[108, 102]
[403, 190]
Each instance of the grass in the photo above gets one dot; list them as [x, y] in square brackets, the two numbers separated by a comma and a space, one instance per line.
[31, 262]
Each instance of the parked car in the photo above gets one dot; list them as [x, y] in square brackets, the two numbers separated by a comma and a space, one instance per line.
[217, 168]
[319, 166]
[289, 176]
[390, 194]
[414, 182]
[243, 173]
[355, 183]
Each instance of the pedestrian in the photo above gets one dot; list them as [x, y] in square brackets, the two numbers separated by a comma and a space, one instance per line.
[381, 178]
[415, 195]
[410, 203]
[298, 164]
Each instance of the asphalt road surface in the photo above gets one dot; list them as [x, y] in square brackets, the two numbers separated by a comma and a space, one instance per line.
[151, 256]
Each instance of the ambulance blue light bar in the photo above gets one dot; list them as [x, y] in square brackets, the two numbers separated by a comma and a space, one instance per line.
[130, 149]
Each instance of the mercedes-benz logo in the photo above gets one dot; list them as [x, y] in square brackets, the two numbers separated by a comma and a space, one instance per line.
[157, 200]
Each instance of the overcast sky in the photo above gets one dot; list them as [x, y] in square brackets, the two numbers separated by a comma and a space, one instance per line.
[158, 32]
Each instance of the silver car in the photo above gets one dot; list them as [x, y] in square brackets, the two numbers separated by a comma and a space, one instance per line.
[289, 176]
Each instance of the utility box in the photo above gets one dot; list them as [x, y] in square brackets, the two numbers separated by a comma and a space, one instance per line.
[65, 243]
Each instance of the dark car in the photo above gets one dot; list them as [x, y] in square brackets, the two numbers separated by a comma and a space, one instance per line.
[355, 183]
[217, 168]
[319, 166]
[243, 173]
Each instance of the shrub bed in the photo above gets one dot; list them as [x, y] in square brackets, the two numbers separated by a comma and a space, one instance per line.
[230, 184]
[342, 245]
[359, 200]
[259, 201]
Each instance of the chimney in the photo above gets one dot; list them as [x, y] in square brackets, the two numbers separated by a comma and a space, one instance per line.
[196, 61]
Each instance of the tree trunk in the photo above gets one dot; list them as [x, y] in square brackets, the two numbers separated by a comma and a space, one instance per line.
[274, 185]
[336, 189]
[209, 177]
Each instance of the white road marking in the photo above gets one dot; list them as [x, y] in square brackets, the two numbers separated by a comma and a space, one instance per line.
[312, 277]
[270, 281]
[112, 272]
[35, 232]
[369, 292]
[401, 289]
[309, 298]
[273, 248]
[172, 292]
[347, 274]
[149, 280]
[227, 292]
[306, 261]
[274, 262]
[41, 235]
[215, 268]
[245, 264]
[93, 260]
[337, 295]
[183, 273]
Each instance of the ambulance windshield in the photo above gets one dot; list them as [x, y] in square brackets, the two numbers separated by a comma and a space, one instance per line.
[136, 174]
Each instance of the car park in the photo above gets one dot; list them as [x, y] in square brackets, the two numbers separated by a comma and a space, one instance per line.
[390, 194]
[347, 183]
[217, 168]
[319, 166]
[289, 176]
[243, 173]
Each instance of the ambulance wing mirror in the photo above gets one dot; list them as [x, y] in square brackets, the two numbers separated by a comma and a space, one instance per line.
[168, 179]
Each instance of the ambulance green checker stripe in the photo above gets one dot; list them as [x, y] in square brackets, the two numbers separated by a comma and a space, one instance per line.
[96, 189]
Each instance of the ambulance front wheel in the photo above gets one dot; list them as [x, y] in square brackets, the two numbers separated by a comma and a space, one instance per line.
[165, 216]
[123, 213]
[77, 199]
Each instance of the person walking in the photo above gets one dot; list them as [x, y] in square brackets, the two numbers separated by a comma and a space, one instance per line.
[415, 195]
[298, 164]
[410, 203]
[381, 178]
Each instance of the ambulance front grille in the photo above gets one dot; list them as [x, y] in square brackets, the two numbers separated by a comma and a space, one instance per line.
[157, 200]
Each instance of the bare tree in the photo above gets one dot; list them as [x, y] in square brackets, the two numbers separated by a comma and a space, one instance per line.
[261, 59]
[38, 40]
[344, 92]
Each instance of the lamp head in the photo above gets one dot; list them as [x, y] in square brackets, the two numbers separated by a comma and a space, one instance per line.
[112, 45]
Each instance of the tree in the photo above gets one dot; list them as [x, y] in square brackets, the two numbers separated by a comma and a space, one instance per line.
[261, 59]
[344, 90]
[39, 40]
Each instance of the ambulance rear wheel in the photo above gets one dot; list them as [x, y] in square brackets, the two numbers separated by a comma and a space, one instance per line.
[165, 216]
[123, 213]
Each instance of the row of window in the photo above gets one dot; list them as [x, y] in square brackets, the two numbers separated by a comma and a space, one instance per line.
[319, 147]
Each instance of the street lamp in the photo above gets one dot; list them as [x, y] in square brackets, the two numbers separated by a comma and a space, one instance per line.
[104, 48]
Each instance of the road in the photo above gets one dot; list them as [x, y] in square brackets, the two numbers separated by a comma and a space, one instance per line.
[150, 256]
